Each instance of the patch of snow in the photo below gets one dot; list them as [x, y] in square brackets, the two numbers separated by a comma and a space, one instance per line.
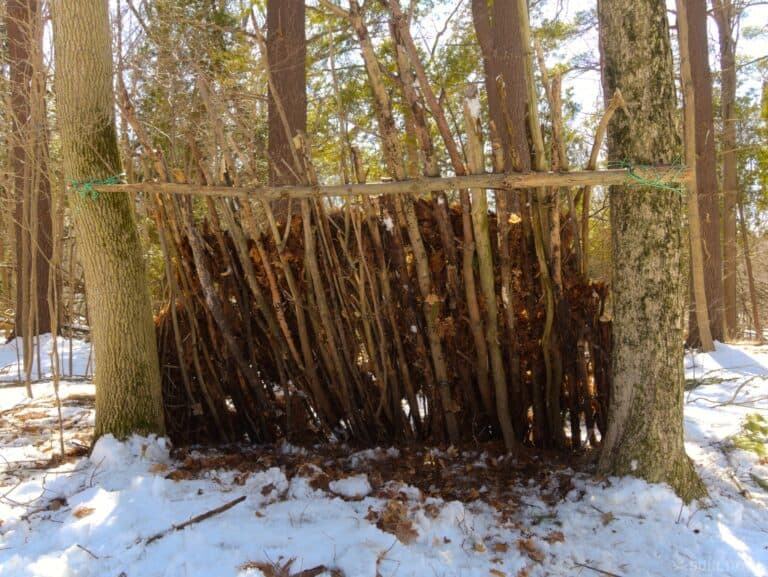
[112, 502]
[354, 487]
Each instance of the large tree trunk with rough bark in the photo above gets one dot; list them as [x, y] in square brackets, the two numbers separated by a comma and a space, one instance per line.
[128, 395]
[697, 285]
[645, 427]
[286, 54]
[706, 169]
[498, 33]
[32, 190]
[725, 16]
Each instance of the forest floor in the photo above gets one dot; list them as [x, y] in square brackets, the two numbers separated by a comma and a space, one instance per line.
[140, 509]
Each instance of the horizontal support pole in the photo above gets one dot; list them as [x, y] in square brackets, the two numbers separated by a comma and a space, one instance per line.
[421, 185]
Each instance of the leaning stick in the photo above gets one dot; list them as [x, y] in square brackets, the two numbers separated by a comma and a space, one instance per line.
[194, 520]
[497, 181]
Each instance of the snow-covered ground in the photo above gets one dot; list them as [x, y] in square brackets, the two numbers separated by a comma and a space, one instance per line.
[75, 360]
[133, 510]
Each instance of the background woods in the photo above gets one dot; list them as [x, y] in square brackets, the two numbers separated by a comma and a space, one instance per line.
[459, 313]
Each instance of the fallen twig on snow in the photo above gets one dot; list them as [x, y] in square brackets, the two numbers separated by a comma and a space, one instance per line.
[730, 401]
[596, 570]
[193, 520]
[91, 553]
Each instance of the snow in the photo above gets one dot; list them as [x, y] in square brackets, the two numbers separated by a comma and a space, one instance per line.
[96, 516]
[11, 364]
[355, 487]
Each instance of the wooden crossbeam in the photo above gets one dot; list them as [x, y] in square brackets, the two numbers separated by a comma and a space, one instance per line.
[661, 175]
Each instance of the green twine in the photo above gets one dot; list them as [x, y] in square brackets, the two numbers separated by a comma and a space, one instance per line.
[660, 179]
[85, 187]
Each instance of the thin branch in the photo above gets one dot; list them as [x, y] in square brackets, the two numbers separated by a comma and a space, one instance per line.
[193, 520]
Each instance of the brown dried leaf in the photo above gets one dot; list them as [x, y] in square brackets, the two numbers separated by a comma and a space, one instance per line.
[500, 548]
[179, 475]
[433, 299]
[497, 573]
[478, 548]
[158, 468]
[528, 547]
[267, 489]
[394, 519]
[432, 511]
[555, 537]
[321, 482]
[608, 518]
[82, 511]
[524, 572]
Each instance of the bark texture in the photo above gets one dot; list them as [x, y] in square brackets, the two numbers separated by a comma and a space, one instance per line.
[286, 53]
[28, 160]
[645, 426]
[697, 285]
[725, 16]
[128, 395]
[498, 32]
[706, 168]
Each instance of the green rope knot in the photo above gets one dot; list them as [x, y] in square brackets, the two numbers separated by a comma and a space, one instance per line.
[661, 179]
[85, 187]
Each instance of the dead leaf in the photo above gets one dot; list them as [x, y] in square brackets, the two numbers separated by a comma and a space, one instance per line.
[478, 547]
[500, 548]
[524, 572]
[607, 518]
[528, 547]
[82, 511]
[158, 468]
[179, 475]
[267, 489]
[497, 573]
[56, 503]
[394, 519]
[433, 299]
[555, 537]
[432, 511]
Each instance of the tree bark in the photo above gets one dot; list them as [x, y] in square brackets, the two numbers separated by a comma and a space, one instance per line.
[753, 298]
[128, 394]
[645, 428]
[286, 55]
[698, 284]
[498, 33]
[725, 16]
[706, 166]
[29, 153]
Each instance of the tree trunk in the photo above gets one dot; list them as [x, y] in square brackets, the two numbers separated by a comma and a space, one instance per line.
[128, 394]
[645, 428]
[29, 153]
[286, 55]
[725, 16]
[698, 284]
[706, 166]
[756, 321]
[498, 33]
